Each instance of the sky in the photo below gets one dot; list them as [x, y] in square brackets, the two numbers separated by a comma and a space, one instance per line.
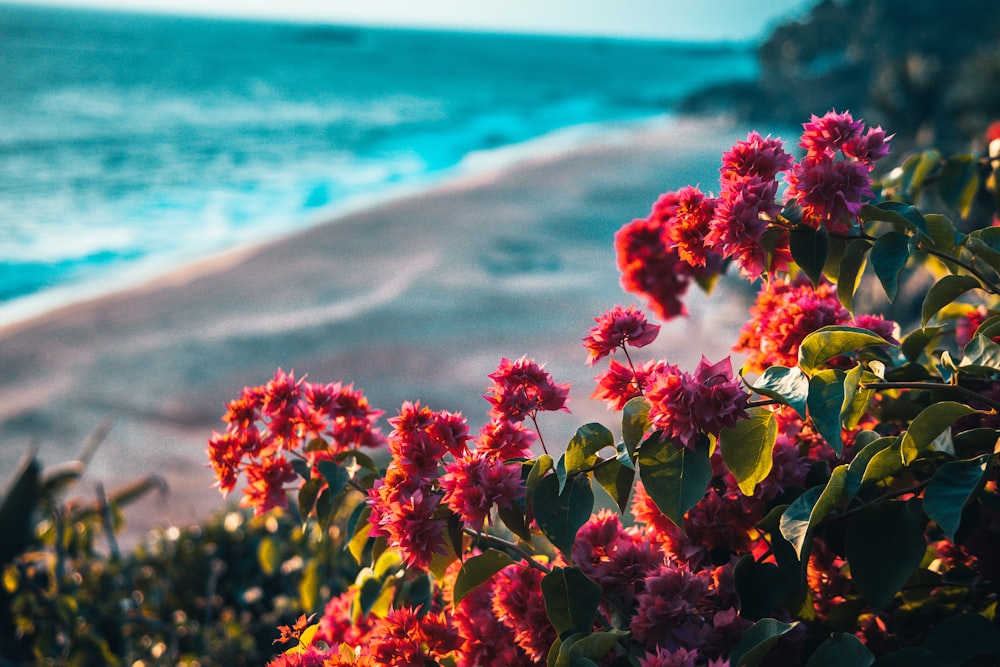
[696, 20]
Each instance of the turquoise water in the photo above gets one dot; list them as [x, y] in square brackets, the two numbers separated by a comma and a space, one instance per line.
[130, 144]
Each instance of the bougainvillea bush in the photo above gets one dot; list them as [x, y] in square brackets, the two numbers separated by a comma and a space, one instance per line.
[832, 503]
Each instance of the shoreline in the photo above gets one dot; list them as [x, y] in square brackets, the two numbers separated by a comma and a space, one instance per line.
[416, 298]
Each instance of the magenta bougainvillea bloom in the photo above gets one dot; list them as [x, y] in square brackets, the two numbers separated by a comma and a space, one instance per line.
[670, 605]
[403, 511]
[827, 134]
[421, 437]
[651, 268]
[518, 602]
[741, 219]
[686, 216]
[486, 640]
[784, 313]
[620, 383]
[405, 638]
[617, 558]
[505, 439]
[522, 388]
[266, 485]
[758, 156]
[830, 192]
[663, 658]
[475, 482]
[685, 405]
[620, 326]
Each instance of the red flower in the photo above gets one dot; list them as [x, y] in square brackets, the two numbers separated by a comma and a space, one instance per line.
[619, 384]
[616, 328]
[741, 219]
[762, 157]
[505, 440]
[476, 482]
[518, 602]
[684, 405]
[686, 216]
[521, 388]
[830, 192]
[266, 482]
[403, 509]
[829, 134]
[651, 268]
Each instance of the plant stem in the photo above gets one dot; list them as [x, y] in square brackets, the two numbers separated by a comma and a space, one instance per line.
[936, 386]
[509, 546]
[539, 432]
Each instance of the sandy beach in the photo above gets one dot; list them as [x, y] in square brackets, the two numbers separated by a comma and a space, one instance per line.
[417, 298]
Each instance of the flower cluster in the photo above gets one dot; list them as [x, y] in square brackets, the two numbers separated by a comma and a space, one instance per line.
[286, 418]
[688, 233]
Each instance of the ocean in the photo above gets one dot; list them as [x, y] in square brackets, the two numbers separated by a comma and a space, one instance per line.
[133, 144]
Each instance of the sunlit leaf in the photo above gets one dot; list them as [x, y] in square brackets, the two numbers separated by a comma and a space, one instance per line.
[789, 386]
[914, 343]
[616, 479]
[928, 425]
[635, 422]
[831, 341]
[943, 292]
[477, 570]
[801, 518]
[581, 453]
[747, 448]
[958, 182]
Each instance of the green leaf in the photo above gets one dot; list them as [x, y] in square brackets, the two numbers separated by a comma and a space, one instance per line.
[809, 248]
[962, 637]
[885, 544]
[885, 463]
[826, 400]
[571, 599]
[928, 425]
[928, 162]
[897, 213]
[831, 341]
[789, 386]
[852, 266]
[856, 400]
[943, 292]
[359, 537]
[747, 447]
[889, 256]
[760, 587]
[917, 341]
[635, 423]
[560, 515]
[307, 496]
[841, 649]
[335, 475]
[616, 479]
[310, 584]
[587, 648]
[513, 517]
[757, 641]
[946, 236]
[675, 478]
[581, 453]
[958, 182]
[858, 465]
[801, 518]
[544, 464]
[949, 492]
[18, 508]
[477, 570]
[980, 353]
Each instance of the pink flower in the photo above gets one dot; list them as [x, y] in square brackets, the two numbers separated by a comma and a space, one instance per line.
[786, 312]
[869, 148]
[421, 437]
[522, 388]
[686, 216]
[827, 135]
[670, 607]
[518, 602]
[684, 405]
[619, 384]
[877, 324]
[505, 440]
[265, 487]
[650, 268]
[476, 482]
[616, 328]
[762, 157]
[486, 640]
[664, 658]
[830, 192]
[617, 559]
[403, 509]
[741, 219]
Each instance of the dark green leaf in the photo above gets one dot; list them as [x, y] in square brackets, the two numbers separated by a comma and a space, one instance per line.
[587, 648]
[826, 400]
[958, 182]
[852, 266]
[980, 352]
[828, 342]
[477, 570]
[560, 515]
[943, 292]
[18, 508]
[571, 599]
[889, 256]
[335, 475]
[581, 453]
[616, 479]
[747, 447]
[885, 544]
[635, 422]
[943, 231]
[757, 641]
[839, 650]
[307, 496]
[914, 344]
[928, 425]
[675, 478]
[760, 587]
[359, 458]
[897, 213]
[949, 491]
[961, 637]
[809, 248]
[789, 386]
[808, 510]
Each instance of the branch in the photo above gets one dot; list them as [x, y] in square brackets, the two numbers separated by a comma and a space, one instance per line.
[936, 386]
[509, 546]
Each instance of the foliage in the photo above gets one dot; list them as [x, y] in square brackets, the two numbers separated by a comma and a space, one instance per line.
[834, 503]
[207, 595]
